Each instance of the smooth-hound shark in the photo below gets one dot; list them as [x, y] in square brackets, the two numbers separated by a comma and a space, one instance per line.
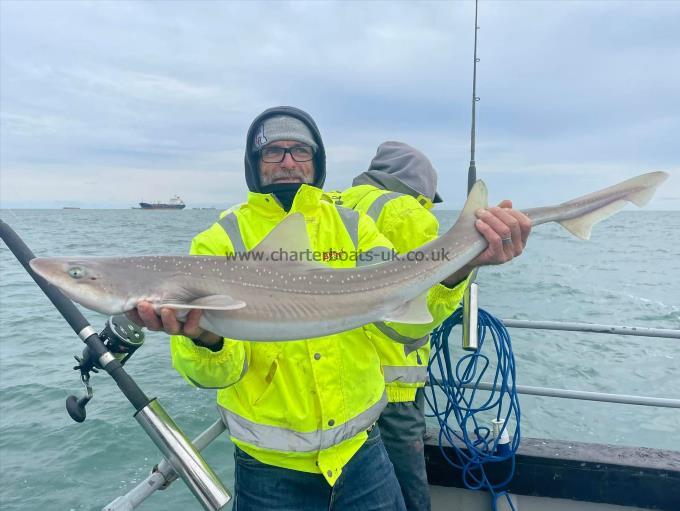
[265, 300]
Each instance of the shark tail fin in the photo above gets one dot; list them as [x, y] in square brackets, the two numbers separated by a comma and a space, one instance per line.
[642, 197]
[638, 190]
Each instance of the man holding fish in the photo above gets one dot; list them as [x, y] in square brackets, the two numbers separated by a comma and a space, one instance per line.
[302, 413]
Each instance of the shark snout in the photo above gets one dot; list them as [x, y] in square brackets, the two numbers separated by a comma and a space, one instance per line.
[61, 271]
[47, 267]
[79, 280]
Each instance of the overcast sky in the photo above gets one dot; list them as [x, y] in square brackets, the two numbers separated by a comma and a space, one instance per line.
[108, 103]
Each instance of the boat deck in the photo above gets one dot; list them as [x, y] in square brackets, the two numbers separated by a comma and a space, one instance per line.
[572, 475]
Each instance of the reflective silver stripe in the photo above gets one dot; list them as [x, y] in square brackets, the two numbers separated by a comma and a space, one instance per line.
[350, 218]
[376, 255]
[405, 374]
[229, 223]
[396, 336]
[282, 439]
[379, 203]
[245, 368]
[410, 348]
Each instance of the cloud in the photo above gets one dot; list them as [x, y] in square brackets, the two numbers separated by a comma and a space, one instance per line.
[166, 91]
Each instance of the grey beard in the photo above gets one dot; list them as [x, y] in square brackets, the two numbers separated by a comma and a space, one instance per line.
[292, 173]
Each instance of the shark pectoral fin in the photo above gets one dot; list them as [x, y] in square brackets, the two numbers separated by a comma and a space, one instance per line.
[414, 311]
[212, 302]
[583, 225]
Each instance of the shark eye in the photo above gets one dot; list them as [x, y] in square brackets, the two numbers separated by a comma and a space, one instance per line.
[76, 272]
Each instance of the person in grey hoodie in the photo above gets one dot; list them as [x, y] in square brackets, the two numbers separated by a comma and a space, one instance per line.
[398, 191]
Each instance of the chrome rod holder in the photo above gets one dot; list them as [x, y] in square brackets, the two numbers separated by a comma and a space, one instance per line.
[471, 315]
[183, 456]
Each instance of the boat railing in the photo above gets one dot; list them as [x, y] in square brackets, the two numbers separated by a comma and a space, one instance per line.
[163, 473]
[586, 395]
[592, 327]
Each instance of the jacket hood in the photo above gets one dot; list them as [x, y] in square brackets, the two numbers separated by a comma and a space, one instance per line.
[398, 167]
[252, 159]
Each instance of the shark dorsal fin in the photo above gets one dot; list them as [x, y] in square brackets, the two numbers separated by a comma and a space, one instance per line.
[290, 234]
[476, 199]
[290, 242]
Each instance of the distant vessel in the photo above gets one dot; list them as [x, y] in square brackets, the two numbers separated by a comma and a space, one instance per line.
[173, 203]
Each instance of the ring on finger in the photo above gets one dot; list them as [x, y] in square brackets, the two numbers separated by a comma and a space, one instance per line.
[506, 240]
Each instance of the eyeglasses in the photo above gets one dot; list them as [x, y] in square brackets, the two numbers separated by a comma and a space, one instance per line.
[299, 153]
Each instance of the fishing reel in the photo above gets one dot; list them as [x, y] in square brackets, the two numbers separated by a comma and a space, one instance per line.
[122, 338]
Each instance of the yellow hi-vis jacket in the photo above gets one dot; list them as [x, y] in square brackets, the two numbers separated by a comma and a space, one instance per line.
[303, 405]
[404, 350]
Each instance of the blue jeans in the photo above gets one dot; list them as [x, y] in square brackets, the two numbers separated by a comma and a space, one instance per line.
[367, 483]
[402, 427]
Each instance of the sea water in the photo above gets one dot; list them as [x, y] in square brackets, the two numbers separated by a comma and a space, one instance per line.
[627, 274]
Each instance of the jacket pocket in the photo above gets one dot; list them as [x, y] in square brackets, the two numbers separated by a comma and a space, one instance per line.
[269, 386]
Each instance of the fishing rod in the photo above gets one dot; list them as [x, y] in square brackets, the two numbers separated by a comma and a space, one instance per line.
[470, 297]
[109, 351]
[486, 447]
[472, 169]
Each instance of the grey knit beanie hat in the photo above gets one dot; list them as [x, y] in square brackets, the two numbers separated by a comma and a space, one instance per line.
[282, 127]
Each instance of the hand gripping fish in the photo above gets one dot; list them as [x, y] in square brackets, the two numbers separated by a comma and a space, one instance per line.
[265, 300]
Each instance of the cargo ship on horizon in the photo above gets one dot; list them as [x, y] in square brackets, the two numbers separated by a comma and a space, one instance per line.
[173, 203]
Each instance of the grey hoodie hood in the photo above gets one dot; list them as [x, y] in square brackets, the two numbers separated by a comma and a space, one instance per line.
[252, 159]
[398, 167]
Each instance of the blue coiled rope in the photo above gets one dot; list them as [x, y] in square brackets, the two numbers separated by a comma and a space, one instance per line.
[466, 411]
